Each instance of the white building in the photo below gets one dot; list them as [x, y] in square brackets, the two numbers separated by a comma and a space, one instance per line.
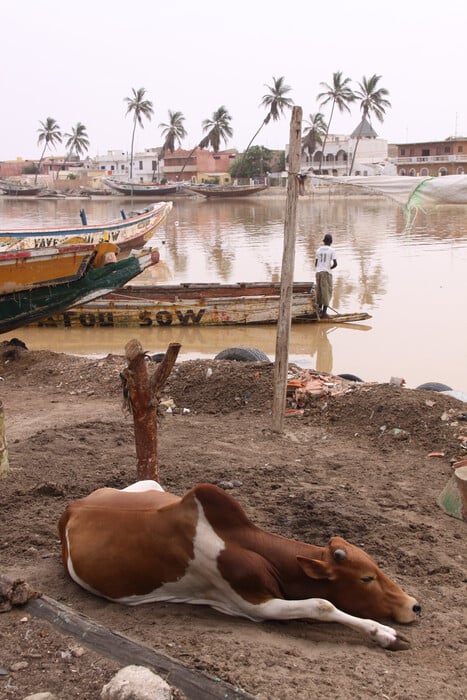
[371, 157]
[115, 163]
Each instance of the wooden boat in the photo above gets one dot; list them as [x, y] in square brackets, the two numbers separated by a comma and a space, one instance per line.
[144, 306]
[17, 189]
[128, 232]
[31, 305]
[141, 189]
[26, 269]
[226, 190]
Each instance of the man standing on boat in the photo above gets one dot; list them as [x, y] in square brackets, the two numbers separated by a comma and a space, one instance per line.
[325, 262]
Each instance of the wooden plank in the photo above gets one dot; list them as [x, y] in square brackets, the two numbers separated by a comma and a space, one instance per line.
[288, 260]
[4, 463]
[196, 686]
[337, 318]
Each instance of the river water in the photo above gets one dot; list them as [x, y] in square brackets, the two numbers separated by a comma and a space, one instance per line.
[411, 279]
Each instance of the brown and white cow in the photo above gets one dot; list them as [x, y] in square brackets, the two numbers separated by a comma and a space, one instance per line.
[143, 545]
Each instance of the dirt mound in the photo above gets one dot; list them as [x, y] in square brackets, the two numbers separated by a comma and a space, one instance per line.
[354, 465]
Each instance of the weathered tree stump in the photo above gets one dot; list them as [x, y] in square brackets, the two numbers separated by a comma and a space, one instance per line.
[4, 463]
[142, 394]
[453, 498]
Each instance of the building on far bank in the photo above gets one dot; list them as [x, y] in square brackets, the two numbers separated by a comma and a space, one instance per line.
[199, 165]
[15, 168]
[432, 158]
[371, 157]
[116, 163]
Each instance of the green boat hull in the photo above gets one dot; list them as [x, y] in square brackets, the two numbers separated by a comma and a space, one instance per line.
[21, 308]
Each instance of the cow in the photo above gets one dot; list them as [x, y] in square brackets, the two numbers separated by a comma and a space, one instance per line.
[142, 544]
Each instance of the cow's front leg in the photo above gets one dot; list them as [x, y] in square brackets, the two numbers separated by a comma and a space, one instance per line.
[324, 611]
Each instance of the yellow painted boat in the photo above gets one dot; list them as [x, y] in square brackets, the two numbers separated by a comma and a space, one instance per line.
[26, 269]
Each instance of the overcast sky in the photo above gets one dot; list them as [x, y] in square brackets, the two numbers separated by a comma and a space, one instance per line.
[76, 60]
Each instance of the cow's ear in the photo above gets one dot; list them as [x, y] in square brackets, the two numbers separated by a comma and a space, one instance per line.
[315, 568]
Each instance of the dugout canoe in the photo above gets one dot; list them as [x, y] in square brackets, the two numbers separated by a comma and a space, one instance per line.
[131, 231]
[141, 189]
[32, 305]
[26, 269]
[17, 189]
[195, 305]
[222, 191]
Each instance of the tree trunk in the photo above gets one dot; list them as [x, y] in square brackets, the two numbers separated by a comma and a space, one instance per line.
[288, 259]
[39, 164]
[326, 138]
[142, 396]
[4, 464]
[132, 147]
[248, 147]
[187, 159]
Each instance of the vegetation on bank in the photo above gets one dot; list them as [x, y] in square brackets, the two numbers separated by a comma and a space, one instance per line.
[217, 129]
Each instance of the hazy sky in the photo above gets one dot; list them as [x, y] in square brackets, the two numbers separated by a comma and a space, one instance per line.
[76, 60]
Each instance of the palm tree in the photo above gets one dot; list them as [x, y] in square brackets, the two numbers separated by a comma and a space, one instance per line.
[276, 102]
[218, 129]
[173, 132]
[339, 94]
[313, 133]
[140, 108]
[49, 135]
[77, 141]
[372, 100]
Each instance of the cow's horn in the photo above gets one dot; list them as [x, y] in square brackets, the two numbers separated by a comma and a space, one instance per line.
[340, 555]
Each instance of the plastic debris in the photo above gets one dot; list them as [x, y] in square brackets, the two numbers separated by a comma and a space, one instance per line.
[400, 434]
[303, 386]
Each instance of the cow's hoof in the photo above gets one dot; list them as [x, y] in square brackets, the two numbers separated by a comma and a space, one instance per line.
[400, 643]
[389, 638]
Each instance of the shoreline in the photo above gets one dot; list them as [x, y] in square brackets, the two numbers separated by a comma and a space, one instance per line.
[336, 191]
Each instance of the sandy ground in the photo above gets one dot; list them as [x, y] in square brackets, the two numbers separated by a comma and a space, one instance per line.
[338, 469]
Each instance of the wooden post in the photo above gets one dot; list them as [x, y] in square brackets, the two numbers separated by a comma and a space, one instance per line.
[4, 464]
[288, 261]
[142, 395]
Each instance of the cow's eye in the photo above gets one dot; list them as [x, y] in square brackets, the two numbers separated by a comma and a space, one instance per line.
[367, 579]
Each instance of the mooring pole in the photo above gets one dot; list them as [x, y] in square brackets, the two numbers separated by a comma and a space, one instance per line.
[288, 262]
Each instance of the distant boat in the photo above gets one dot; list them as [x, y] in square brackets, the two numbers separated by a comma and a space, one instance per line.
[31, 305]
[26, 269]
[226, 190]
[198, 305]
[128, 232]
[19, 190]
[141, 189]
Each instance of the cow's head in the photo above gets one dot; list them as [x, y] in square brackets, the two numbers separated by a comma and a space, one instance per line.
[356, 584]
